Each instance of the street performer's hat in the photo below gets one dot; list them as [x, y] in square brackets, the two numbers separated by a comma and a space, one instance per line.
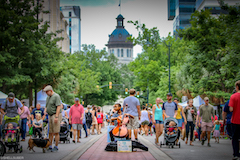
[11, 95]
[47, 88]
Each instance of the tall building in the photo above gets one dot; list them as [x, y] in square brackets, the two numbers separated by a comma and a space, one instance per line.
[214, 5]
[118, 43]
[72, 14]
[56, 22]
[180, 10]
[183, 11]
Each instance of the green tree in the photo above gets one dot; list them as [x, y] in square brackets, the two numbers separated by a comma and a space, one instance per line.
[29, 55]
[211, 68]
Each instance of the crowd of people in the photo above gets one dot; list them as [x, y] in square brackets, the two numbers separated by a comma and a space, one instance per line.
[189, 119]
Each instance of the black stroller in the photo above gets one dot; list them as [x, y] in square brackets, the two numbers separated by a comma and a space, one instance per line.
[64, 131]
[170, 140]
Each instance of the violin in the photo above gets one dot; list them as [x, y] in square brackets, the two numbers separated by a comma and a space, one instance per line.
[121, 131]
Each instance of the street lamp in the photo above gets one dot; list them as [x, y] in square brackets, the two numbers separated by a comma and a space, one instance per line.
[90, 64]
[169, 73]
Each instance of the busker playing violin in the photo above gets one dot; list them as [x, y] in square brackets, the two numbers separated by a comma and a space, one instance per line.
[117, 116]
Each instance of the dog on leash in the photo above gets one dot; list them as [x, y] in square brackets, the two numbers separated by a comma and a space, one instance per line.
[39, 142]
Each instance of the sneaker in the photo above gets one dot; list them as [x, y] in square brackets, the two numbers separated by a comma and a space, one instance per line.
[55, 149]
[235, 158]
[209, 145]
[203, 142]
[49, 149]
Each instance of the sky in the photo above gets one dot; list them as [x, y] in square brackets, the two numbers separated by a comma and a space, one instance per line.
[98, 18]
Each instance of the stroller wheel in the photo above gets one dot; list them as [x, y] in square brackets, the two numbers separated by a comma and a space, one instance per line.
[16, 149]
[20, 150]
[179, 145]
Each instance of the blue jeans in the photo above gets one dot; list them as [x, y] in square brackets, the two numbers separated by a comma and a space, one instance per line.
[199, 132]
[85, 129]
[24, 125]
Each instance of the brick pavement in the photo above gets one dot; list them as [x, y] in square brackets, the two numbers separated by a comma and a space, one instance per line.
[97, 152]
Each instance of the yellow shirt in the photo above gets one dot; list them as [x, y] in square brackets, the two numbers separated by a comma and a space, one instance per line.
[179, 116]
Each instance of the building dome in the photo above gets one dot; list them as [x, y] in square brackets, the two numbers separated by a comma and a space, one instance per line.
[118, 38]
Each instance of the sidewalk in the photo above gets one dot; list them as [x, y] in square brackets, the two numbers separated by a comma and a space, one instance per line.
[97, 151]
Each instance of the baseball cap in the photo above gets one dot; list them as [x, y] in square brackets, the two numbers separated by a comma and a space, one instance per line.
[47, 88]
[206, 99]
[76, 99]
[169, 94]
[11, 95]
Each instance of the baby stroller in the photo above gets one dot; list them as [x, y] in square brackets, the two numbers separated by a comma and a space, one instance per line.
[15, 143]
[64, 130]
[170, 140]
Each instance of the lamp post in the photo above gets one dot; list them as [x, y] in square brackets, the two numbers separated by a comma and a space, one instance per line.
[90, 64]
[169, 71]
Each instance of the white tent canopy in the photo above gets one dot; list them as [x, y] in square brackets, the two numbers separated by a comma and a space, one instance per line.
[41, 98]
[197, 101]
[3, 97]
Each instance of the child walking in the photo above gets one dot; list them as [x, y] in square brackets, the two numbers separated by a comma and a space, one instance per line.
[216, 131]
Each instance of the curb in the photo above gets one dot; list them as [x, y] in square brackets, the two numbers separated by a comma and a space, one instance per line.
[77, 153]
[155, 151]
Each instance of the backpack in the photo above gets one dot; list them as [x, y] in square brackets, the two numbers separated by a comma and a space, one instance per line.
[88, 116]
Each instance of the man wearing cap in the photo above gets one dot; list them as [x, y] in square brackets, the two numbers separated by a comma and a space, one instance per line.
[169, 108]
[206, 112]
[132, 107]
[75, 118]
[54, 110]
[11, 105]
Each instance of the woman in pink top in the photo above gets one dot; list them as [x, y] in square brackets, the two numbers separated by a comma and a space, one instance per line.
[99, 120]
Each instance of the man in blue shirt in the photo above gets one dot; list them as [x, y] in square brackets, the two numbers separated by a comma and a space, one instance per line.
[227, 116]
[170, 108]
[132, 106]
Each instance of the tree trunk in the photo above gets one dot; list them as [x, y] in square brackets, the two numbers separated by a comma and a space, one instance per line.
[30, 95]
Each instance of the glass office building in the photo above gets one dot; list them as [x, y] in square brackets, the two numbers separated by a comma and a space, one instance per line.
[183, 11]
[72, 14]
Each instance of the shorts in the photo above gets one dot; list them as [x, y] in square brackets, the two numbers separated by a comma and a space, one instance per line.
[88, 124]
[54, 127]
[145, 123]
[133, 123]
[77, 126]
[180, 121]
[159, 122]
[206, 126]
[150, 124]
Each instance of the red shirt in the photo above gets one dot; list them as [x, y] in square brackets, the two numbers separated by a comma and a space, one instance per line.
[99, 118]
[235, 103]
[76, 112]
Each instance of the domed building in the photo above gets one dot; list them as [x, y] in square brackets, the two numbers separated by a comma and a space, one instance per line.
[118, 43]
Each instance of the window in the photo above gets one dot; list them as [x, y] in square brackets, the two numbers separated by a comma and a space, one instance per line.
[70, 43]
[70, 33]
[70, 14]
[119, 23]
[112, 51]
[121, 52]
[70, 23]
[118, 52]
[128, 53]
